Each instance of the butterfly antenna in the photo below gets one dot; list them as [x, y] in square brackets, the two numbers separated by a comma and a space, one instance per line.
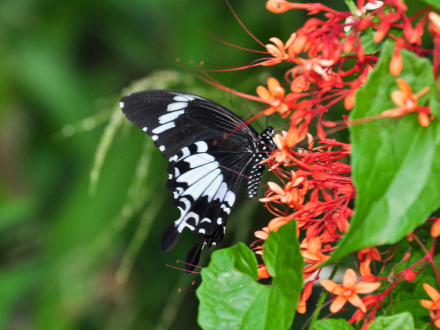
[242, 25]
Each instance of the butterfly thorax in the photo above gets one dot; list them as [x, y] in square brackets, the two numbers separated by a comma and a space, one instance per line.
[263, 147]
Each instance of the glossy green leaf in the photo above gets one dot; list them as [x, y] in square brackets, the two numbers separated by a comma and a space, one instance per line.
[402, 321]
[231, 297]
[333, 324]
[433, 3]
[396, 162]
[284, 263]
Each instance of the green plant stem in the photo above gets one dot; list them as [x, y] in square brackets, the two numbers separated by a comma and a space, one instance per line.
[351, 6]
[323, 296]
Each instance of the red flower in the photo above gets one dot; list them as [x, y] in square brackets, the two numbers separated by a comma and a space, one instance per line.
[407, 103]
[274, 96]
[278, 50]
[435, 229]
[434, 305]
[348, 291]
[365, 256]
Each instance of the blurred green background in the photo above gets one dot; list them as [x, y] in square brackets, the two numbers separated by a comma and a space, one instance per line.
[77, 253]
[71, 258]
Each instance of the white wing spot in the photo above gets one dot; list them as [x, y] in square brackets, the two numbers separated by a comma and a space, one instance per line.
[183, 98]
[170, 116]
[200, 159]
[162, 148]
[202, 146]
[197, 188]
[221, 192]
[183, 222]
[185, 153]
[194, 175]
[226, 209]
[213, 188]
[121, 104]
[145, 129]
[230, 198]
[163, 128]
[177, 106]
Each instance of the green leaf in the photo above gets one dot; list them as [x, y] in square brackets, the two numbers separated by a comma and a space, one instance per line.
[434, 102]
[231, 297]
[333, 324]
[402, 321]
[370, 47]
[433, 3]
[395, 161]
[284, 263]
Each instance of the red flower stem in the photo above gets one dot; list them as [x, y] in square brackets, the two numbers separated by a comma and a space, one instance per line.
[430, 257]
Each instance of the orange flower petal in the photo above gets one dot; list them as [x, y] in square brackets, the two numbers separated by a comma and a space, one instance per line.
[278, 43]
[435, 229]
[404, 87]
[432, 293]
[350, 278]
[261, 234]
[277, 223]
[426, 303]
[263, 273]
[366, 287]
[396, 64]
[423, 119]
[356, 301]
[275, 188]
[329, 285]
[291, 40]
[277, 6]
[398, 98]
[337, 304]
[302, 307]
[264, 93]
[435, 21]
[272, 84]
[274, 50]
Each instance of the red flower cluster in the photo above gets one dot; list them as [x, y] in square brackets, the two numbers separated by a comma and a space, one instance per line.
[327, 64]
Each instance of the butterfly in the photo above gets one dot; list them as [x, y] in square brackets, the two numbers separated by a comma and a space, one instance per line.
[212, 152]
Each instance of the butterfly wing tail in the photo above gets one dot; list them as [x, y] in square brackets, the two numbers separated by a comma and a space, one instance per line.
[193, 256]
[170, 237]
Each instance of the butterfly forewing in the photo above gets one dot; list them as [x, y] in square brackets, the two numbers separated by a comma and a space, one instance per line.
[175, 120]
[210, 149]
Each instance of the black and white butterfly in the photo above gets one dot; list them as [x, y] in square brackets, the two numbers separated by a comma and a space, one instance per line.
[211, 152]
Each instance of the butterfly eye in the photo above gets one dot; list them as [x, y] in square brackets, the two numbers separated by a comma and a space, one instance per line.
[212, 152]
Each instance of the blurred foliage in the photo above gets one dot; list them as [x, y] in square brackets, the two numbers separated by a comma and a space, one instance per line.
[76, 254]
